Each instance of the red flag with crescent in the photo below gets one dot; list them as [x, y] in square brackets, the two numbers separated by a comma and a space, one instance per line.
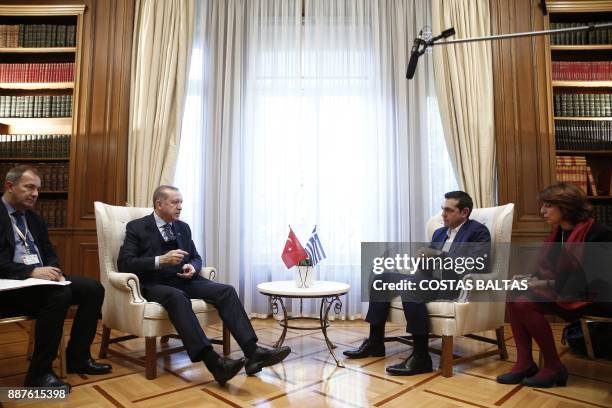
[293, 252]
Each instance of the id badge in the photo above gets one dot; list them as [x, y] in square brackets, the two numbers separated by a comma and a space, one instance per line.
[31, 259]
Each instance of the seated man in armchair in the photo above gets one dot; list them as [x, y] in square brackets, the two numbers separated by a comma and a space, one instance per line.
[158, 248]
[448, 241]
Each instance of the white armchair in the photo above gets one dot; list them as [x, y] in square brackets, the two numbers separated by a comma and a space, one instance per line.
[464, 317]
[124, 308]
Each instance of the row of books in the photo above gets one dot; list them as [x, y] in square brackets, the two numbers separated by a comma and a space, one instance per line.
[37, 35]
[40, 146]
[582, 70]
[53, 212]
[601, 36]
[583, 134]
[583, 104]
[35, 106]
[576, 170]
[603, 213]
[53, 176]
[39, 72]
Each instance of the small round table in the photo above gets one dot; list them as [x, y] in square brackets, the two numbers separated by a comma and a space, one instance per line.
[328, 291]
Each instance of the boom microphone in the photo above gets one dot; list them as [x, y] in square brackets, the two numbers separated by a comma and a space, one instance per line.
[414, 56]
[421, 44]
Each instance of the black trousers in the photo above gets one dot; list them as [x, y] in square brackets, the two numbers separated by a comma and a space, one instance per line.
[414, 303]
[175, 296]
[49, 304]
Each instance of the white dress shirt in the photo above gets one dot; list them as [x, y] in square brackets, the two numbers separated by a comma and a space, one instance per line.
[451, 233]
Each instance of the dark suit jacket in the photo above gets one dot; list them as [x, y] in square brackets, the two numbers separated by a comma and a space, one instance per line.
[142, 245]
[472, 232]
[38, 229]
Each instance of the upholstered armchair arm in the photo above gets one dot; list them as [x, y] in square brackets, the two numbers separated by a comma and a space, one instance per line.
[467, 295]
[464, 294]
[208, 272]
[127, 282]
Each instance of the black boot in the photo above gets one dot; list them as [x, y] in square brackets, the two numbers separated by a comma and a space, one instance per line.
[46, 380]
[224, 369]
[264, 357]
[558, 378]
[88, 366]
[516, 378]
[367, 349]
[415, 364]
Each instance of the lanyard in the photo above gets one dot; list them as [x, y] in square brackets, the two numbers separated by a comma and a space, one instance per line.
[23, 237]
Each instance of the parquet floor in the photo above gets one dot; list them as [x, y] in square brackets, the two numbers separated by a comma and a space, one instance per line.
[309, 378]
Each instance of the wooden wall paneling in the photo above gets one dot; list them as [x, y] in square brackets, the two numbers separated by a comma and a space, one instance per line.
[84, 255]
[61, 242]
[522, 125]
[81, 94]
[101, 162]
[101, 155]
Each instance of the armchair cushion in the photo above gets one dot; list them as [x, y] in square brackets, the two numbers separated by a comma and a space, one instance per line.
[156, 311]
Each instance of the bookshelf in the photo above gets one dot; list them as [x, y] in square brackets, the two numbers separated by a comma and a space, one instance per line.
[40, 51]
[580, 83]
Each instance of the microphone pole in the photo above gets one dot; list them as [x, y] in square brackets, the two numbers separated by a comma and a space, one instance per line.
[451, 31]
[590, 27]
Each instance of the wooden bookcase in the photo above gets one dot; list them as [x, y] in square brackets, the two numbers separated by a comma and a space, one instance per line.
[40, 52]
[98, 125]
[580, 106]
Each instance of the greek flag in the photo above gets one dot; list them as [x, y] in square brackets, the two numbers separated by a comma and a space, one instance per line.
[314, 249]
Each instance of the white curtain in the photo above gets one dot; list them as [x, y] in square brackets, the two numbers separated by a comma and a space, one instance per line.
[303, 122]
[163, 34]
[464, 81]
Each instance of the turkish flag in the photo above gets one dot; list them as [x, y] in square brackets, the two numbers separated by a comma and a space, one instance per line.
[293, 252]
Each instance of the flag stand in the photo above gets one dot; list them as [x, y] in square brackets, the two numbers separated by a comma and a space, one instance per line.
[304, 276]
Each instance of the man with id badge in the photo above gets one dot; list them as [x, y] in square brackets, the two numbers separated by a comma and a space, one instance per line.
[27, 252]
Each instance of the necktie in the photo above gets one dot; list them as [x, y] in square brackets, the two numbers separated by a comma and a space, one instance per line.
[447, 243]
[169, 234]
[20, 222]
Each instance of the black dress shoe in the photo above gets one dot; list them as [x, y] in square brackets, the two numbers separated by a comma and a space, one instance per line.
[415, 364]
[367, 349]
[264, 357]
[88, 366]
[225, 369]
[46, 380]
[516, 378]
[559, 378]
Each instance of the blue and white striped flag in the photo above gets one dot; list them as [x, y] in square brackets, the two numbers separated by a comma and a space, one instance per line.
[314, 249]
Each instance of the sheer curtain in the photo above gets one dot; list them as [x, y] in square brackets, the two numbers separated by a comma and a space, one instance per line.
[303, 121]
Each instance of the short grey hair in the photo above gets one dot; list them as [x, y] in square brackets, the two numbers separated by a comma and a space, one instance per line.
[15, 174]
[160, 193]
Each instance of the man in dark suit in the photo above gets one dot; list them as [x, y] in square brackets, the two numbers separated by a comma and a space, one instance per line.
[447, 241]
[158, 248]
[26, 252]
